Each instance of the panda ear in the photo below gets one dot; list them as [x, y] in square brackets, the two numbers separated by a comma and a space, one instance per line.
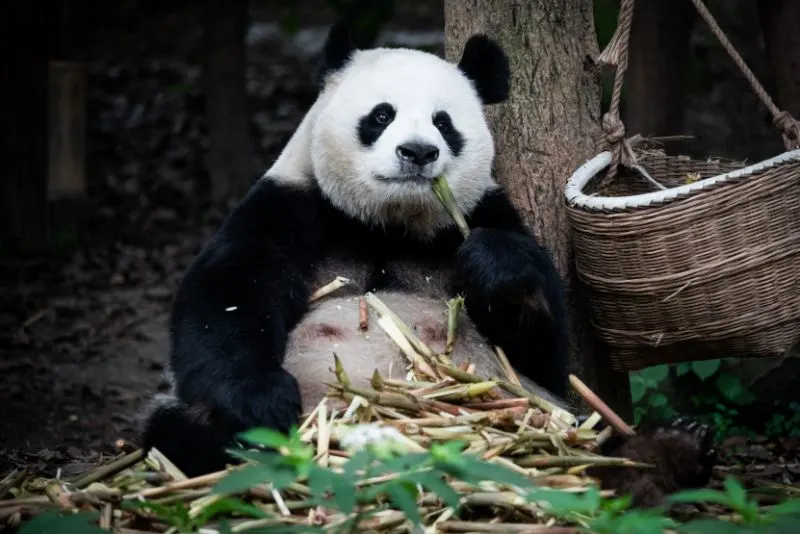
[338, 47]
[486, 64]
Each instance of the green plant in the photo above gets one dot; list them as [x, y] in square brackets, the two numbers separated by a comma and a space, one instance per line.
[716, 396]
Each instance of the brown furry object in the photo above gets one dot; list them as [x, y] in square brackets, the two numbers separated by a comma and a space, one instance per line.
[681, 452]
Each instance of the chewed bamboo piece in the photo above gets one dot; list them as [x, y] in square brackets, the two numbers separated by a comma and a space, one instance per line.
[337, 283]
[384, 311]
[445, 196]
[600, 407]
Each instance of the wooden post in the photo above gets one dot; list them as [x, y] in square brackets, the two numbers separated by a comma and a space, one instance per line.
[230, 154]
[66, 176]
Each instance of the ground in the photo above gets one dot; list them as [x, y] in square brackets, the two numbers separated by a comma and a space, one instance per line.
[83, 335]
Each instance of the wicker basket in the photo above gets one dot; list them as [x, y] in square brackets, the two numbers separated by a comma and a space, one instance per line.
[697, 271]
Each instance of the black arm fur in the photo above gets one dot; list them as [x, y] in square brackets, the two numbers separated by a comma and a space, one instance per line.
[237, 303]
[513, 292]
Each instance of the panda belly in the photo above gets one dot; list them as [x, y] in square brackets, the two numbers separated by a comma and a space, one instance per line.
[332, 326]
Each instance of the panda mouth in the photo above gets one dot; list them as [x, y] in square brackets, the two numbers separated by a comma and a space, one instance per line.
[415, 179]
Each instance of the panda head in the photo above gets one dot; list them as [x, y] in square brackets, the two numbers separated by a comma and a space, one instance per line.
[390, 120]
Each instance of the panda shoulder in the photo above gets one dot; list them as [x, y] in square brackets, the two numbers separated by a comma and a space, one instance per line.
[494, 208]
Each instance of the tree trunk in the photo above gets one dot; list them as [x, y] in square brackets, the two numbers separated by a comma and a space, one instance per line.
[231, 162]
[25, 28]
[780, 20]
[547, 128]
[657, 64]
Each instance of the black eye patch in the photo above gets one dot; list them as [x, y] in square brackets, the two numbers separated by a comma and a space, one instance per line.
[372, 125]
[451, 136]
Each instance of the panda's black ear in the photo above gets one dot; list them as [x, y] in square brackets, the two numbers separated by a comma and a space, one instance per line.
[338, 47]
[486, 64]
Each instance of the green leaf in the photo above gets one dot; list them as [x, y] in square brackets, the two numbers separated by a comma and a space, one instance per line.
[655, 374]
[638, 388]
[51, 522]
[706, 368]
[404, 498]
[258, 457]
[175, 515]
[344, 491]
[265, 437]
[475, 471]
[657, 399]
[251, 476]
[682, 368]
[736, 493]
[563, 503]
[229, 504]
[729, 385]
[435, 484]
[711, 526]
[701, 495]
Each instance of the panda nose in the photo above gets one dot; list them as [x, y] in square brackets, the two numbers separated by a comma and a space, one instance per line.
[418, 153]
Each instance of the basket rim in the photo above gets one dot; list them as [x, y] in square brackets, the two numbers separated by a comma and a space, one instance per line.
[575, 196]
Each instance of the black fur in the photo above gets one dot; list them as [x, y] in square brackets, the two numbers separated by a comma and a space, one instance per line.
[197, 441]
[453, 138]
[681, 450]
[337, 50]
[260, 261]
[372, 125]
[486, 64]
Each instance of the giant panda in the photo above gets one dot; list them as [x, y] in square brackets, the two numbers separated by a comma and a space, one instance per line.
[350, 195]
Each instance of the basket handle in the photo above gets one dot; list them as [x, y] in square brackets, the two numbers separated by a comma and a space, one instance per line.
[787, 125]
[616, 54]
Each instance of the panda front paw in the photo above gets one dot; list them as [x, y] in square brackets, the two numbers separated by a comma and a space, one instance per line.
[273, 401]
[501, 266]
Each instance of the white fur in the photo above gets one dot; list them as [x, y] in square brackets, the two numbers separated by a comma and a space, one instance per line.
[418, 84]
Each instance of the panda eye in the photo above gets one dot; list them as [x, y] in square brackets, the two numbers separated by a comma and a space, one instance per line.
[382, 118]
[442, 123]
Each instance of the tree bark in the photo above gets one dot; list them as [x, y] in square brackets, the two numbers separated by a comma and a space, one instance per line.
[780, 21]
[657, 64]
[231, 162]
[547, 128]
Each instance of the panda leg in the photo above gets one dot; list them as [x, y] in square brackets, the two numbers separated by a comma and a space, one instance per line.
[193, 438]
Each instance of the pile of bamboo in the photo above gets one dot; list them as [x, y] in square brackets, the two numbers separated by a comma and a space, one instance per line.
[438, 402]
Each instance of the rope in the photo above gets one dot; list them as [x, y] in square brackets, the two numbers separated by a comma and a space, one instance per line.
[783, 120]
[616, 53]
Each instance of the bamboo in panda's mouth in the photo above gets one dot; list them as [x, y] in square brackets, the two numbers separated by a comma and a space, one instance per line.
[445, 196]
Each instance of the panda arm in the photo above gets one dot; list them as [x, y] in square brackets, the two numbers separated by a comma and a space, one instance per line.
[513, 292]
[237, 303]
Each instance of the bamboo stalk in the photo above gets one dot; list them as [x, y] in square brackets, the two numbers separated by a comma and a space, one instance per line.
[454, 306]
[600, 407]
[337, 283]
[445, 196]
[109, 469]
[363, 316]
[384, 311]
